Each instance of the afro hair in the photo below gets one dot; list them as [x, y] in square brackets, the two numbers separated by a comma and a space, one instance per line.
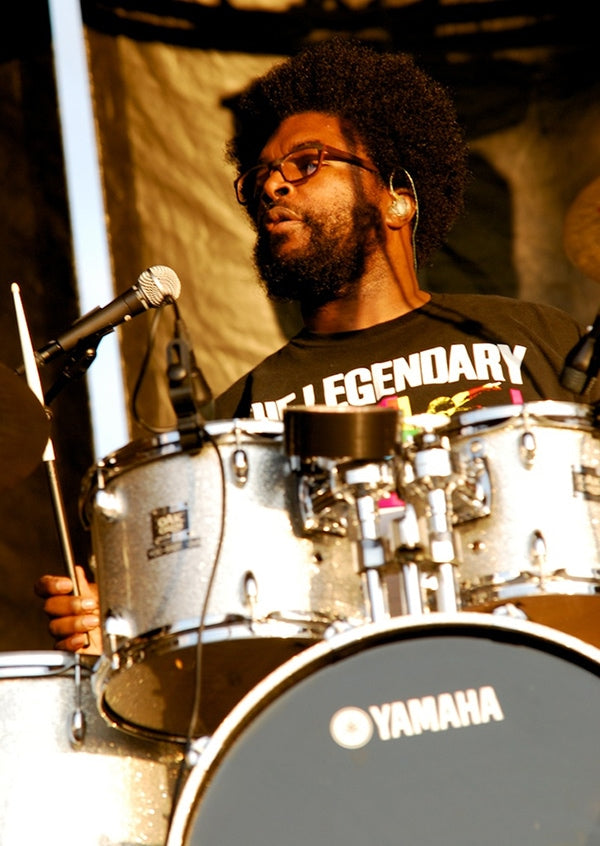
[405, 119]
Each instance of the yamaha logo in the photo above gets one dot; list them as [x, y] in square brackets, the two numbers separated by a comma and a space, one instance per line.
[352, 727]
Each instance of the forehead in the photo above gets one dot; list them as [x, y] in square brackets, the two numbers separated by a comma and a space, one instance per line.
[306, 127]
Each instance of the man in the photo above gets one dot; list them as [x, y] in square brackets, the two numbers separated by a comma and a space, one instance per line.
[352, 168]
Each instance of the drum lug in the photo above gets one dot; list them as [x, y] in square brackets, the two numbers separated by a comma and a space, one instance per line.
[251, 592]
[116, 628]
[108, 505]
[77, 726]
[239, 462]
[539, 551]
[528, 449]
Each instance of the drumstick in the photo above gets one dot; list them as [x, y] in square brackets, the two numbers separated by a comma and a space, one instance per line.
[31, 372]
[33, 380]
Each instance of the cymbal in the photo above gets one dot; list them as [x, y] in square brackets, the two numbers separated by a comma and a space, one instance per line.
[581, 234]
[24, 429]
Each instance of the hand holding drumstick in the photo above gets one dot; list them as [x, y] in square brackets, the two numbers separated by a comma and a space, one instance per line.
[74, 620]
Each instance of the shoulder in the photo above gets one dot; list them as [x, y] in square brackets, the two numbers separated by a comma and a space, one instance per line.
[230, 403]
[235, 401]
[495, 306]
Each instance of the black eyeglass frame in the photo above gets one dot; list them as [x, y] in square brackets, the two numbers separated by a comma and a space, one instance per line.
[326, 153]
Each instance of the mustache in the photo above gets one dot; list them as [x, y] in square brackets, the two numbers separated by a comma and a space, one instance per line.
[278, 213]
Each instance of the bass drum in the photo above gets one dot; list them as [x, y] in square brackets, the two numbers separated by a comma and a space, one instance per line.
[68, 778]
[460, 729]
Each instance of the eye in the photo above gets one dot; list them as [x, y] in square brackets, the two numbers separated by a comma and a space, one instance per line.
[302, 164]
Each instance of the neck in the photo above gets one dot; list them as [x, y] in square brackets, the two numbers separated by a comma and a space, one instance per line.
[377, 298]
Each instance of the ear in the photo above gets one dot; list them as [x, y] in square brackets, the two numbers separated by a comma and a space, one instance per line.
[400, 210]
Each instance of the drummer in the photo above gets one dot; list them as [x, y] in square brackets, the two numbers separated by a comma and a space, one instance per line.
[352, 168]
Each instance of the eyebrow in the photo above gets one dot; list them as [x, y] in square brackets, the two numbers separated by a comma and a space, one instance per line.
[310, 143]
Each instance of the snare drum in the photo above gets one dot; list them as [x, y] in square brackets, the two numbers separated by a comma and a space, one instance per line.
[206, 538]
[460, 730]
[531, 537]
[67, 777]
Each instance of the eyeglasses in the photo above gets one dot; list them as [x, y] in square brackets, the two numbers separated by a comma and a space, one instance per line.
[295, 167]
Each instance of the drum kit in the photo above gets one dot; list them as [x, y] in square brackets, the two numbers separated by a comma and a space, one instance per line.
[350, 625]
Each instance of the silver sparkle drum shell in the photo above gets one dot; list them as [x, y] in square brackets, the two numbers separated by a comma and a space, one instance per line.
[67, 777]
[457, 729]
[208, 538]
[539, 547]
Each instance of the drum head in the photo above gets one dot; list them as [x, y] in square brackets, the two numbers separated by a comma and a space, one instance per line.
[462, 730]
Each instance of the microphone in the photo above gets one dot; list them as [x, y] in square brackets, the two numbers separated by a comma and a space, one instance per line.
[581, 364]
[153, 288]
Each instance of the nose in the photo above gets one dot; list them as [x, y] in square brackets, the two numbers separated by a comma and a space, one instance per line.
[274, 187]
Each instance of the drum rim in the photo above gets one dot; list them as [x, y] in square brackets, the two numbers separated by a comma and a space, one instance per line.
[540, 409]
[245, 425]
[147, 450]
[30, 663]
[214, 748]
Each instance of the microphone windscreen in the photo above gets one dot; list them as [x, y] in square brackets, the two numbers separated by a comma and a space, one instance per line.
[159, 282]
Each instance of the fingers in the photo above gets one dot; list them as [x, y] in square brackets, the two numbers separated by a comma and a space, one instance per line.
[85, 588]
[74, 626]
[74, 620]
[52, 585]
[60, 601]
[70, 615]
[89, 643]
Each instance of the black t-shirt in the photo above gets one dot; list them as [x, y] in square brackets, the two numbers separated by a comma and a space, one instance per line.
[458, 352]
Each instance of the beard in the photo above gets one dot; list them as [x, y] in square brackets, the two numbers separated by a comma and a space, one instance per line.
[329, 268]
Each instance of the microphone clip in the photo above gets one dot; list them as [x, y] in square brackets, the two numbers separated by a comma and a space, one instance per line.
[188, 389]
[582, 363]
[77, 362]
